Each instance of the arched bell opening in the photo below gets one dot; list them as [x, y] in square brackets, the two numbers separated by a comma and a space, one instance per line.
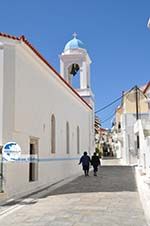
[74, 75]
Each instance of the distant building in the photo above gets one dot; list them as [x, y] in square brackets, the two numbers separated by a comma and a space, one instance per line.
[104, 142]
[133, 106]
[142, 130]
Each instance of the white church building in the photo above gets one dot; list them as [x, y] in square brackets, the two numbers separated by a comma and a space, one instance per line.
[42, 112]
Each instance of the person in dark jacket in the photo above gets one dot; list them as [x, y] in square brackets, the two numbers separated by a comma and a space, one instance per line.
[85, 160]
[95, 163]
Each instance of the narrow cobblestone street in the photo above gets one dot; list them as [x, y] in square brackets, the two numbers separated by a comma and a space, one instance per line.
[110, 199]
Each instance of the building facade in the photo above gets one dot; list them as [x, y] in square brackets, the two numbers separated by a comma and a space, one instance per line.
[133, 107]
[142, 129]
[42, 112]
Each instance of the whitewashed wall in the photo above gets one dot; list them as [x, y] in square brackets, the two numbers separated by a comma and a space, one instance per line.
[35, 94]
[144, 151]
[1, 89]
[129, 149]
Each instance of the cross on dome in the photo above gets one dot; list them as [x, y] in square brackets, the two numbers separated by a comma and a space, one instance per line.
[74, 43]
[74, 34]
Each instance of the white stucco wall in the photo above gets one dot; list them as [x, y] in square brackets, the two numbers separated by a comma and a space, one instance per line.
[1, 90]
[8, 92]
[35, 94]
[144, 151]
[129, 150]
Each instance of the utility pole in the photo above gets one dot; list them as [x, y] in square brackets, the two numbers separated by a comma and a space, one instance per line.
[137, 112]
[137, 102]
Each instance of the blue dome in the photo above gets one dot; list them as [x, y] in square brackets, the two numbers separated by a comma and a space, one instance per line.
[74, 44]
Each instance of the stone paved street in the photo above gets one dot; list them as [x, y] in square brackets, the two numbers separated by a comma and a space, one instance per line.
[110, 199]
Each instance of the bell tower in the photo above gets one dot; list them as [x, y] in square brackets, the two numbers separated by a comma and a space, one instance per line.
[75, 61]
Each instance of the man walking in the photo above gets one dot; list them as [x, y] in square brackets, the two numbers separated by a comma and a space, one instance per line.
[95, 163]
[85, 160]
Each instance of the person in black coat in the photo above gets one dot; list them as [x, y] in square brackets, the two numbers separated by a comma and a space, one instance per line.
[95, 163]
[85, 160]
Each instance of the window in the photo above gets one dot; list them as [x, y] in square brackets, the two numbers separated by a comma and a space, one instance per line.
[138, 142]
[53, 134]
[67, 138]
[119, 125]
[1, 147]
[78, 140]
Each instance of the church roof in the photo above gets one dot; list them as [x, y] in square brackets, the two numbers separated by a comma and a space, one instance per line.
[24, 40]
[74, 43]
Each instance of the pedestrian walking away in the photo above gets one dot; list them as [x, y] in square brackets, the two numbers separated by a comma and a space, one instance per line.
[85, 160]
[95, 161]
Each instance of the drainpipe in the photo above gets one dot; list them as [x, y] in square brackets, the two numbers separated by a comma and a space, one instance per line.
[136, 101]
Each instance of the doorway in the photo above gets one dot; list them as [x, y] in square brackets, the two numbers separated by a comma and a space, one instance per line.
[33, 157]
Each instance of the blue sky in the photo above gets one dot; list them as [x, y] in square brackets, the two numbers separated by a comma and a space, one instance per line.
[114, 32]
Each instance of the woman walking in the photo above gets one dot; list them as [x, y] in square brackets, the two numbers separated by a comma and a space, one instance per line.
[85, 160]
[95, 163]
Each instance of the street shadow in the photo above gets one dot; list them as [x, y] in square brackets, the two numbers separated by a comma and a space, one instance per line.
[109, 179]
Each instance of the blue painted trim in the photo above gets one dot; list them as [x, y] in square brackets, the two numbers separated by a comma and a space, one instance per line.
[43, 159]
[57, 159]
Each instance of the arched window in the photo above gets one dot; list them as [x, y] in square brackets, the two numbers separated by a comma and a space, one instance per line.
[53, 134]
[78, 140]
[67, 138]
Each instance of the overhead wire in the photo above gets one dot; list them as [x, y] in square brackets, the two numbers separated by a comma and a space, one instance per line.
[108, 105]
[114, 101]
[105, 120]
